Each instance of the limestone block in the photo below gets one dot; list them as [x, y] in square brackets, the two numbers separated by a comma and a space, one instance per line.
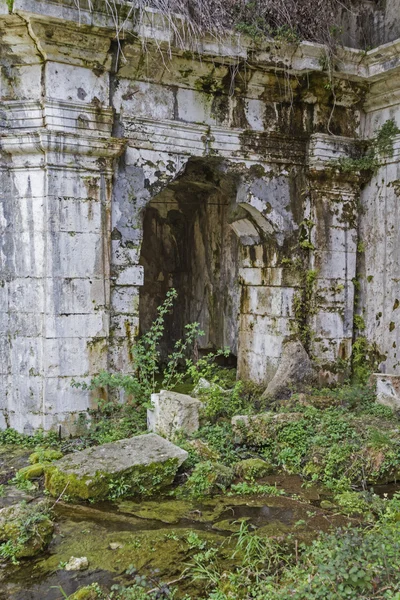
[336, 265]
[194, 106]
[124, 325]
[77, 325]
[125, 299]
[259, 367]
[142, 464]
[77, 564]
[387, 389]
[268, 300]
[26, 294]
[144, 99]
[74, 357]
[264, 325]
[254, 111]
[133, 275]
[171, 412]
[71, 254]
[72, 295]
[70, 82]
[329, 324]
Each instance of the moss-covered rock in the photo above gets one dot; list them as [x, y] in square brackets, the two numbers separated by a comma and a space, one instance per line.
[137, 466]
[42, 455]
[253, 468]
[208, 479]
[25, 529]
[89, 592]
[31, 472]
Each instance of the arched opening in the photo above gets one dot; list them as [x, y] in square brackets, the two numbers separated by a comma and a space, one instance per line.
[190, 245]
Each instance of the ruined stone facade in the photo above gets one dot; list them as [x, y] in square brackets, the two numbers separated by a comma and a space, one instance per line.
[130, 167]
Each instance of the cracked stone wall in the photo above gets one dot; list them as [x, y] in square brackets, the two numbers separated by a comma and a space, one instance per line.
[127, 169]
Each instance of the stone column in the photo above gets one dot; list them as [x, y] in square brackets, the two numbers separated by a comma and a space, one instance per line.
[333, 234]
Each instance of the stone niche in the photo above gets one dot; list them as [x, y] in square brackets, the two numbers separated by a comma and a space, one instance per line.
[189, 244]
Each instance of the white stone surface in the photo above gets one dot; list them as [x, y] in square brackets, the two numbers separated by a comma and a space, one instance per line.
[172, 412]
[387, 390]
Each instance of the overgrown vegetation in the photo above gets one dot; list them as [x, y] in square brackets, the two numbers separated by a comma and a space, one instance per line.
[287, 21]
[382, 145]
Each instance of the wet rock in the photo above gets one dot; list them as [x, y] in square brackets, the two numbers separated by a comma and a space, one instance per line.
[77, 564]
[295, 370]
[137, 466]
[13, 495]
[172, 412]
[253, 468]
[27, 528]
[387, 390]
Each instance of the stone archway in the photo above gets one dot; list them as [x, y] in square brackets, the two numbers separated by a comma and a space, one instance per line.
[189, 244]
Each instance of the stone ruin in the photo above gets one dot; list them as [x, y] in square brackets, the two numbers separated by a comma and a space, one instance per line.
[228, 172]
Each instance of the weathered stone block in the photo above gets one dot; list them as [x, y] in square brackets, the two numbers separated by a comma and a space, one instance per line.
[172, 411]
[387, 389]
[140, 465]
[295, 369]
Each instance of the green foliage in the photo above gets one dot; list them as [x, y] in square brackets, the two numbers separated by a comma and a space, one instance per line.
[304, 304]
[247, 489]
[220, 438]
[382, 145]
[10, 436]
[146, 360]
[349, 443]
[359, 323]
[220, 403]
[365, 359]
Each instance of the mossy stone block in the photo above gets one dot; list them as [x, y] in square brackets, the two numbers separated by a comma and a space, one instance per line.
[137, 466]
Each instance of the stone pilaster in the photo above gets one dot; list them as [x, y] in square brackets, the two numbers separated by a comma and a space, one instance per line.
[334, 200]
[55, 261]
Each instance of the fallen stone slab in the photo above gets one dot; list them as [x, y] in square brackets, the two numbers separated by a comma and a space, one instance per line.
[172, 412]
[387, 389]
[140, 465]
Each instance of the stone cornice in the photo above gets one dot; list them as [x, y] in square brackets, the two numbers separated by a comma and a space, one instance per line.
[42, 147]
[56, 115]
[202, 140]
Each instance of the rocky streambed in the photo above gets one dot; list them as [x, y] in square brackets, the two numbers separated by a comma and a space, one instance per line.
[157, 538]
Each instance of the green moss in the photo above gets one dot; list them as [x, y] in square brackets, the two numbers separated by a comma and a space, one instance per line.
[44, 455]
[142, 480]
[90, 592]
[31, 472]
[25, 530]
